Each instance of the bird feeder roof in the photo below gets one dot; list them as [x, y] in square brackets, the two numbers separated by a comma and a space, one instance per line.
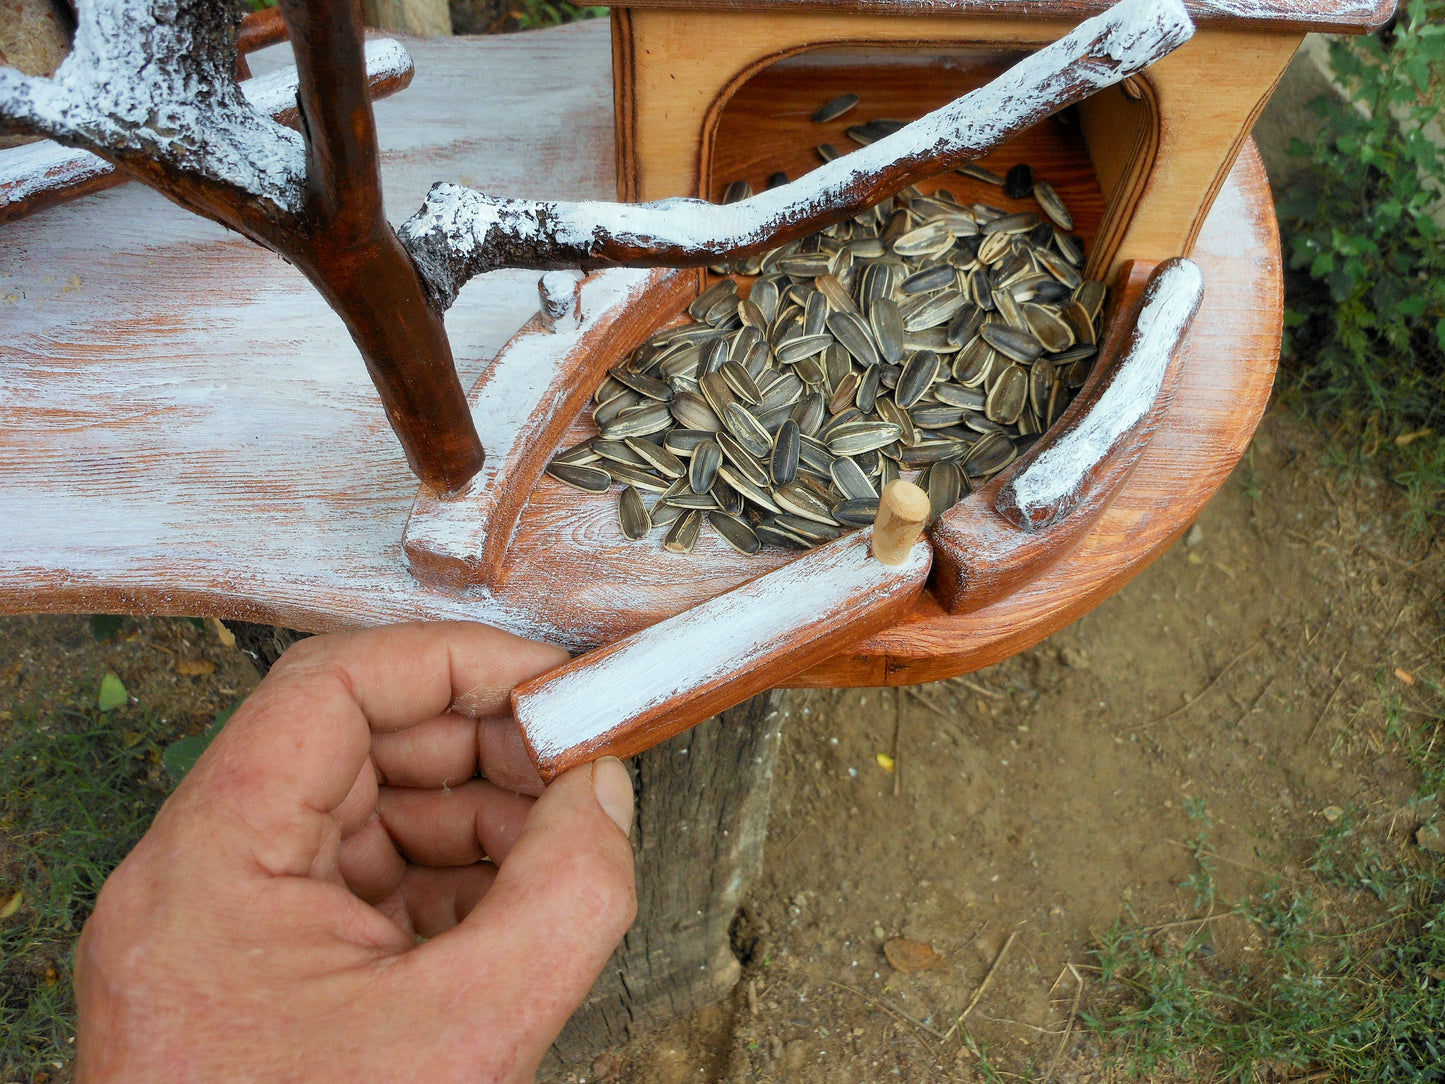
[1340, 16]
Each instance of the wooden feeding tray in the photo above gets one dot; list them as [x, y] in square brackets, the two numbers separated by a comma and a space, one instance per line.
[187, 430]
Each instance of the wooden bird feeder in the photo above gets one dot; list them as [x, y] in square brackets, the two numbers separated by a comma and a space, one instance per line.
[186, 427]
[186, 430]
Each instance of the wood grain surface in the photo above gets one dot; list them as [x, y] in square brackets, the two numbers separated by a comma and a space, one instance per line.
[1159, 151]
[522, 405]
[1343, 16]
[186, 429]
[630, 695]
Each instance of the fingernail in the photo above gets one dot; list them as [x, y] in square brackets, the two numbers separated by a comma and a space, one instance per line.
[613, 787]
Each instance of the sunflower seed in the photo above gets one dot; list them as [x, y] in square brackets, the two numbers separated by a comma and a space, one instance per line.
[1011, 342]
[929, 279]
[735, 532]
[868, 388]
[826, 151]
[1090, 294]
[1019, 182]
[664, 513]
[978, 173]
[834, 108]
[796, 499]
[1054, 333]
[578, 455]
[944, 486]
[639, 477]
[804, 346]
[849, 330]
[702, 468]
[856, 512]
[917, 377]
[1053, 206]
[638, 421]
[682, 535]
[632, 514]
[738, 190]
[1008, 395]
[657, 457]
[783, 465]
[861, 437]
[850, 480]
[990, 454]
[590, 479]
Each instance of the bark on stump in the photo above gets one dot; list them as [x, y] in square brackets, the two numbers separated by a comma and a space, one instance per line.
[702, 817]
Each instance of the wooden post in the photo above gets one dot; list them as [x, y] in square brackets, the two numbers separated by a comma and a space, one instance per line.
[702, 816]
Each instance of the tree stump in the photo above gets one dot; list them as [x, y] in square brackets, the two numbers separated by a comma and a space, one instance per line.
[702, 817]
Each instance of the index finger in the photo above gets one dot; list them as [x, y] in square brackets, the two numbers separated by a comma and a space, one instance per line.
[293, 750]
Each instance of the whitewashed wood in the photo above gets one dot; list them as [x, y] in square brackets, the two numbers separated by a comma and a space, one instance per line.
[628, 696]
[120, 306]
[44, 166]
[538, 381]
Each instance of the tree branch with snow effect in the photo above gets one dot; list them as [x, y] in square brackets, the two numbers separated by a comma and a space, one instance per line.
[460, 233]
[151, 86]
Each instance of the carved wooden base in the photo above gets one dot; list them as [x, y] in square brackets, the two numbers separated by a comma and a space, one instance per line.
[702, 817]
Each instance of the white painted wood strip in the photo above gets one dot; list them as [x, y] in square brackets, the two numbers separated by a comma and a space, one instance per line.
[592, 699]
[534, 378]
[1045, 490]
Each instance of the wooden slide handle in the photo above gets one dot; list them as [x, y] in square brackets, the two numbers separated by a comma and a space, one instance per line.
[902, 515]
[1030, 516]
[628, 696]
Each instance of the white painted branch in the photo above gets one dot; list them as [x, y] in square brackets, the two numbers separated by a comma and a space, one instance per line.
[153, 81]
[460, 233]
[35, 168]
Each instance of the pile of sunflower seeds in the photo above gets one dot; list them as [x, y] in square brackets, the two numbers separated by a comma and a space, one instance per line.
[923, 335]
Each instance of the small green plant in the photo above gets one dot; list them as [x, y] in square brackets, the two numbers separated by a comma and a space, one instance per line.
[1345, 980]
[181, 755]
[1366, 314]
[76, 793]
[536, 14]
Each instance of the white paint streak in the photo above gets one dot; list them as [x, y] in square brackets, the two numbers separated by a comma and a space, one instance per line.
[1168, 306]
[729, 634]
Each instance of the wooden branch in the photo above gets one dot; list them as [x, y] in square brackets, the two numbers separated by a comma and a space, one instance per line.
[152, 89]
[343, 173]
[630, 695]
[1013, 529]
[40, 175]
[460, 233]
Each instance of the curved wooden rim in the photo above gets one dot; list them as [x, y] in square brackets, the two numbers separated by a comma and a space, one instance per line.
[1231, 356]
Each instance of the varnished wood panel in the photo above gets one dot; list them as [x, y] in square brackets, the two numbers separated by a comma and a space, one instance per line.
[688, 67]
[1342, 16]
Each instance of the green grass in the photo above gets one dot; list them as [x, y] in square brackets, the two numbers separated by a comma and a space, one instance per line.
[77, 791]
[1365, 238]
[1348, 983]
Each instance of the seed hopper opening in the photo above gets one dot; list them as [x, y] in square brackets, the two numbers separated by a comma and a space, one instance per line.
[934, 337]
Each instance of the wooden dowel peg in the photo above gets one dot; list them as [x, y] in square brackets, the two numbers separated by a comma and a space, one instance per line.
[902, 513]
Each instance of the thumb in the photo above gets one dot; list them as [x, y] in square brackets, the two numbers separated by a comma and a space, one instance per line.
[563, 898]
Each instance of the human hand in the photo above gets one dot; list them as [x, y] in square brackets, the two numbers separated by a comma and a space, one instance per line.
[264, 928]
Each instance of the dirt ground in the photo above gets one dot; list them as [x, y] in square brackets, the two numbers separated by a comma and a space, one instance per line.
[1036, 803]
[1031, 805]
